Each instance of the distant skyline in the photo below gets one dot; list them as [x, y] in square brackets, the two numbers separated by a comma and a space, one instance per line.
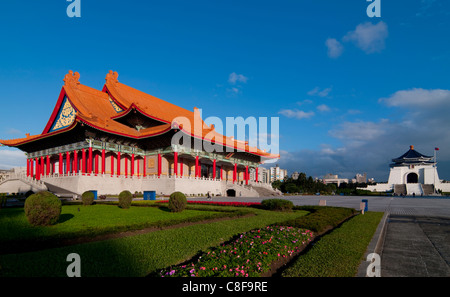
[351, 92]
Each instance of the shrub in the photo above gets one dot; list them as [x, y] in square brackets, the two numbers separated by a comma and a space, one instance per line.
[277, 204]
[88, 198]
[125, 198]
[42, 209]
[3, 200]
[177, 202]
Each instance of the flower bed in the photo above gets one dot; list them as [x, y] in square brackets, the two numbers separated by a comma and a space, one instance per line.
[217, 203]
[250, 254]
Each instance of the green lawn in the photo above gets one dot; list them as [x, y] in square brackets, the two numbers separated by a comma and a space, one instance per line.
[339, 253]
[78, 220]
[136, 255]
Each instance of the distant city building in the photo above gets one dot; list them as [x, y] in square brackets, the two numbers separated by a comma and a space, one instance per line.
[264, 175]
[276, 173]
[295, 175]
[361, 178]
[333, 179]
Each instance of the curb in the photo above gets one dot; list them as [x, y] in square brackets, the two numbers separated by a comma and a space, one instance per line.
[375, 245]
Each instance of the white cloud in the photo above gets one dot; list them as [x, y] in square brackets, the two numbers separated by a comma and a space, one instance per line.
[298, 114]
[13, 131]
[368, 37]
[321, 93]
[233, 90]
[419, 98]
[335, 48]
[12, 158]
[323, 108]
[360, 131]
[306, 101]
[237, 78]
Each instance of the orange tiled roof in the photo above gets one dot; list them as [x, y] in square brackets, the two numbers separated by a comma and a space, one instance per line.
[94, 108]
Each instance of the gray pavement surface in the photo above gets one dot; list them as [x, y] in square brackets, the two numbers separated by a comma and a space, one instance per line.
[416, 246]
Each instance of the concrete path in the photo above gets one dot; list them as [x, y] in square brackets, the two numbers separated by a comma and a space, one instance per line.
[416, 246]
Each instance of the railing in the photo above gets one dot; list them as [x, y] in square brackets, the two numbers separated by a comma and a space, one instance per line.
[153, 177]
[23, 177]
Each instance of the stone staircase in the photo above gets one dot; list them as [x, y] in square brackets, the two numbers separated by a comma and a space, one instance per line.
[265, 192]
[400, 190]
[13, 182]
[428, 190]
[414, 189]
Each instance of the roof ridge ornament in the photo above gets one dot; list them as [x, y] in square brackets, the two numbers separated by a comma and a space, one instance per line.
[72, 79]
[112, 77]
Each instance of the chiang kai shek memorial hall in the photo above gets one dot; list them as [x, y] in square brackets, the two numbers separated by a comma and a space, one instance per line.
[412, 174]
[120, 138]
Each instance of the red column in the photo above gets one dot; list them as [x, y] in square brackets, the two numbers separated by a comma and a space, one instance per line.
[83, 161]
[132, 165]
[144, 170]
[214, 169]
[126, 166]
[221, 174]
[90, 161]
[256, 175]
[37, 169]
[112, 164]
[96, 164]
[246, 175]
[118, 163]
[159, 165]
[196, 166]
[42, 166]
[137, 170]
[60, 166]
[235, 173]
[103, 161]
[48, 165]
[75, 162]
[67, 162]
[175, 164]
[31, 168]
[181, 167]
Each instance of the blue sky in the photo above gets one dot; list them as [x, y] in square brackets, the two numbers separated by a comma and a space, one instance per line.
[351, 92]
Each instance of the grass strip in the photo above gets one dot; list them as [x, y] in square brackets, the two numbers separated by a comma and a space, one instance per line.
[94, 220]
[321, 218]
[339, 253]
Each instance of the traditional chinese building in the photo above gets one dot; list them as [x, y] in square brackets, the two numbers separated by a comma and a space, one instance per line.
[120, 138]
[412, 174]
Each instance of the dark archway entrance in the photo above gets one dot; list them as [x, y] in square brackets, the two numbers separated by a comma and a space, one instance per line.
[412, 178]
[231, 193]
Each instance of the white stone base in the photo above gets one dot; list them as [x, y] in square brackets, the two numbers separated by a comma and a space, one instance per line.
[76, 184]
